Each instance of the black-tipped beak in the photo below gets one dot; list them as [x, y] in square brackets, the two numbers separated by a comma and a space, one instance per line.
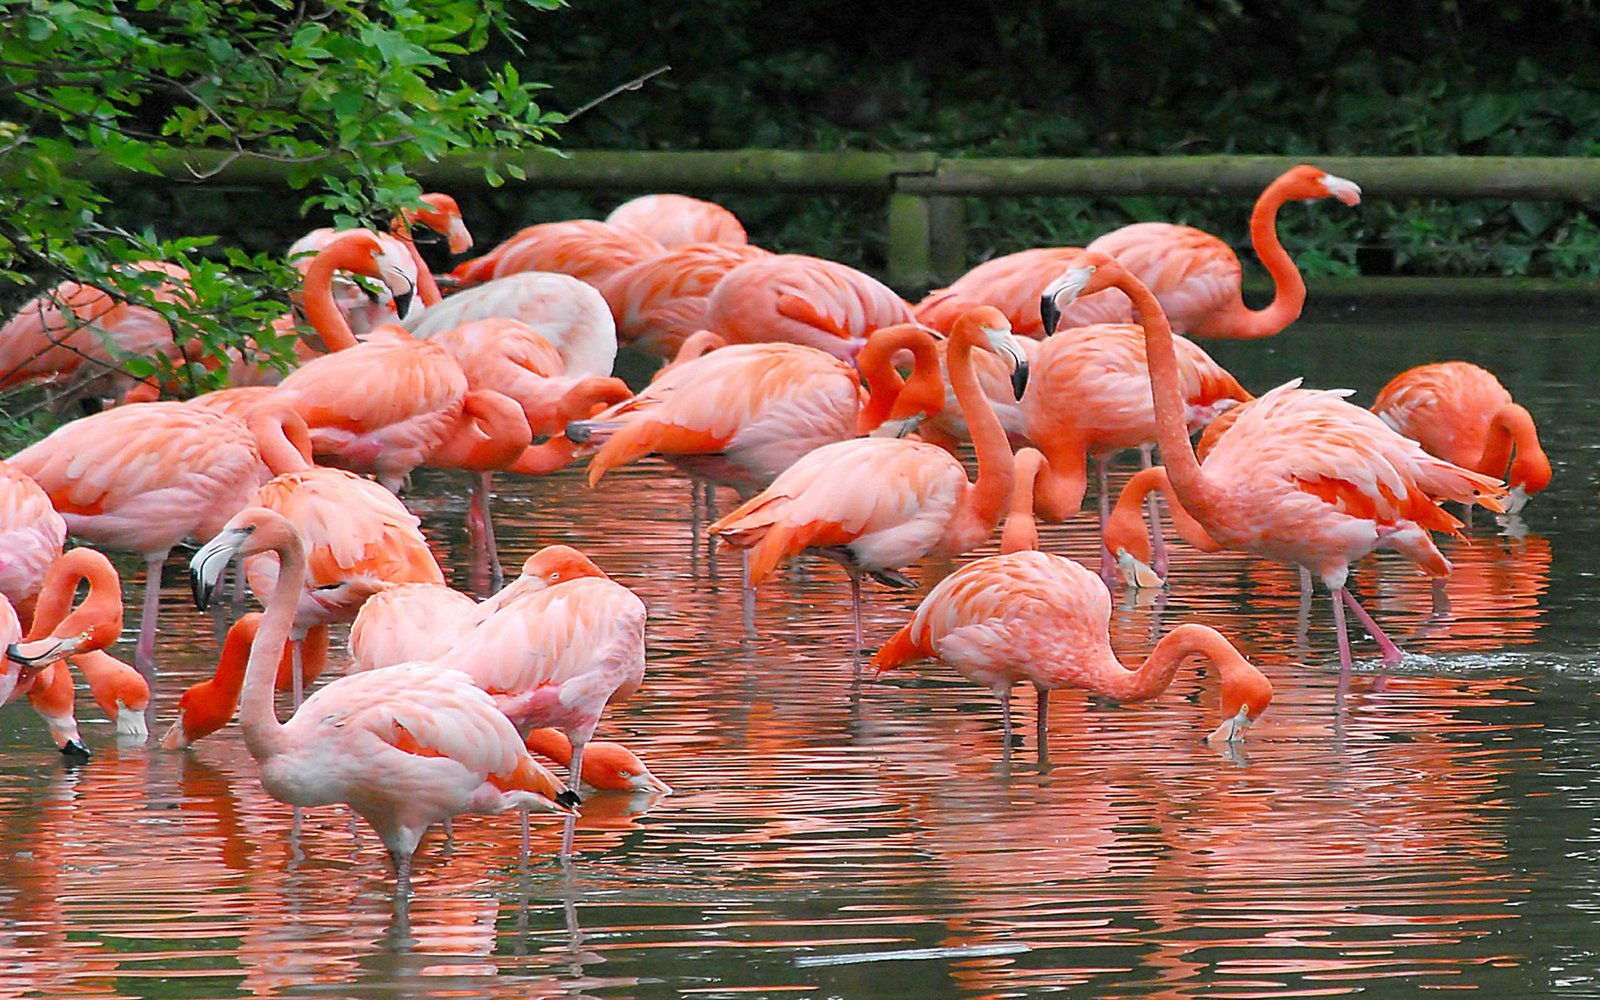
[201, 590]
[1019, 376]
[1049, 312]
[74, 751]
[579, 432]
[41, 651]
[402, 303]
[568, 798]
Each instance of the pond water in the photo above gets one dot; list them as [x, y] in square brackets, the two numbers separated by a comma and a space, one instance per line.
[1432, 829]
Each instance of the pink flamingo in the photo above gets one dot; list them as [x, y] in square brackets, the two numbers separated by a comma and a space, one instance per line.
[661, 301]
[62, 634]
[587, 249]
[1011, 284]
[31, 537]
[143, 478]
[405, 747]
[792, 298]
[607, 767]
[675, 219]
[1197, 277]
[1313, 492]
[1030, 616]
[1462, 414]
[570, 314]
[877, 504]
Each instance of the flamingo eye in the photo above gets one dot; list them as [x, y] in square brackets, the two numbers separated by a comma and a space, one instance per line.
[556, 575]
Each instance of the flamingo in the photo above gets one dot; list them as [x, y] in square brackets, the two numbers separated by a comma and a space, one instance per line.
[31, 537]
[797, 299]
[1461, 413]
[1011, 284]
[398, 254]
[1197, 278]
[740, 415]
[1313, 492]
[660, 301]
[607, 766]
[587, 249]
[877, 504]
[1032, 616]
[409, 621]
[54, 334]
[405, 747]
[142, 478]
[1089, 394]
[570, 314]
[61, 634]
[676, 219]
[357, 535]
[208, 705]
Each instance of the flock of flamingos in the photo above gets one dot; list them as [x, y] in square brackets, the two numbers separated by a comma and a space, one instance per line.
[836, 410]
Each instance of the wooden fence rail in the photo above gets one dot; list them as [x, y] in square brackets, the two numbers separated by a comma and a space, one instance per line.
[923, 191]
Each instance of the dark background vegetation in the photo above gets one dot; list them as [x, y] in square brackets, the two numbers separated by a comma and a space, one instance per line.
[1064, 78]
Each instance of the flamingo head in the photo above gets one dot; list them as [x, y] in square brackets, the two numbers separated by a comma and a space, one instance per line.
[555, 564]
[996, 337]
[612, 767]
[252, 530]
[1246, 693]
[443, 216]
[1090, 272]
[1305, 183]
[201, 711]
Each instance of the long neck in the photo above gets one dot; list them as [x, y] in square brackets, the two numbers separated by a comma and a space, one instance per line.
[1172, 429]
[1155, 674]
[1021, 532]
[1126, 530]
[101, 609]
[427, 288]
[1288, 288]
[228, 681]
[1510, 428]
[491, 432]
[320, 310]
[263, 733]
[888, 395]
[283, 440]
[984, 502]
[550, 744]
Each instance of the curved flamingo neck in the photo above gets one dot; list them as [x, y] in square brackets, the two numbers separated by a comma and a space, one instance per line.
[1125, 529]
[551, 744]
[1195, 492]
[1288, 288]
[889, 395]
[984, 501]
[1021, 533]
[1155, 675]
[490, 434]
[263, 733]
[589, 394]
[427, 286]
[283, 439]
[317, 300]
[214, 700]
[1510, 428]
[100, 614]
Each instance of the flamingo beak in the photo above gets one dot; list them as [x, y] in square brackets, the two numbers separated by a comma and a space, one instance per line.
[460, 239]
[1232, 730]
[1049, 312]
[1516, 499]
[1136, 573]
[648, 782]
[1019, 373]
[174, 738]
[1348, 192]
[41, 651]
[208, 564]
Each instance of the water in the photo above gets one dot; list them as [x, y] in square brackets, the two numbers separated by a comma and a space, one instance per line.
[1435, 829]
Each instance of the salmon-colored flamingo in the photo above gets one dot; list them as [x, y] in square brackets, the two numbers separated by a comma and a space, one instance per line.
[740, 415]
[398, 254]
[1462, 414]
[53, 335]
[409, 621]
[1011, 284]
[570, 314]
[357, 535]
[31, 537]
[795, 299]
[875, 505]
[587, 249]
[1197, 278]
[208, 705]
[405, 747]
[661, 301]
[607, 766]
[60, 632]
[676, 219]
[1030, 616]
[508, 358]
[1089, 395]
[142, 478]
[1319, 494]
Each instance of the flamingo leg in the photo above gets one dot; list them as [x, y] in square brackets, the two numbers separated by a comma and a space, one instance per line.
[527, 844]
[711, 515]
[855, 609]
[696, 521]
[1108, 562]
[576, 779]
[567, 831]
[481, 487]
[240, 585]
[1306, 585]
[1160, 561]
[402, 873]
[1391, 652]
[1042, 736]
[144, 654]
[1344, 637]
[1005, 724]
[297, 679]
[747, 593]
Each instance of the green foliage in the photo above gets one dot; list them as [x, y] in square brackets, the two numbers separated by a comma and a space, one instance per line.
[348, 94]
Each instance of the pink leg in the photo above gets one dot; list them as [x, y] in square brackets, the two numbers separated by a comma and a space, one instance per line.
[1042, 734]
[144, 654]
[297, 678]
[480, 493]
[1344, 637]
[1391, 652]
[1160, 560]
[1108, 564]
[855, 610]
[1005, 724]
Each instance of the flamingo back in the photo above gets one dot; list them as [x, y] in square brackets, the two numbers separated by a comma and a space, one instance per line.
[571, 315]
[1013, 283]
[660, 301]
[407, 621]
[797, 299]
[31, 535]
[675, 219]
[587, 249]
[1445, 407]
[1190, 272]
